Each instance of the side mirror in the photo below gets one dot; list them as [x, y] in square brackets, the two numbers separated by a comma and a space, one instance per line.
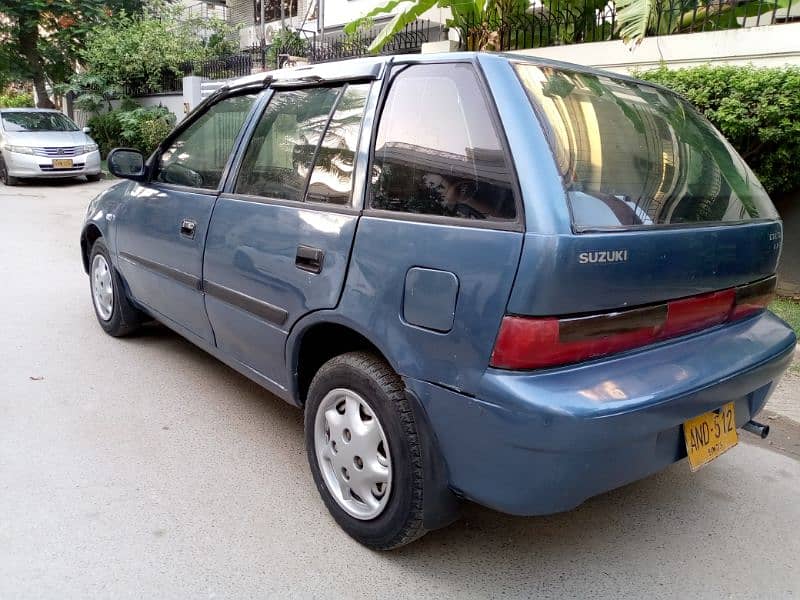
[126, 163]
[87, 130]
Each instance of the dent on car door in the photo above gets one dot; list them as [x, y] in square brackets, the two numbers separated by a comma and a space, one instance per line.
[162, 226]
[280, 241]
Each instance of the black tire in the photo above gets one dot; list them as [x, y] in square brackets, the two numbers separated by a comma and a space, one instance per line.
[401, 521]
[95, 177]
[5, 177]
[125, 318]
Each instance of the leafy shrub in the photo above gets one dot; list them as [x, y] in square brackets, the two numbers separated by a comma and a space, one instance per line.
[12, 99]
[92, 92]
[140, 128]
[144, 128]
[757, 109]
[106, 130]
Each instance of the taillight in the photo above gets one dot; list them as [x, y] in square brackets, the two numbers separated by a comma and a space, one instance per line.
[698, 312]
[534, 343]
[754, 297]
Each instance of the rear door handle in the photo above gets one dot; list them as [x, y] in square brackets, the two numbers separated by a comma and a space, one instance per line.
[309, 259]
[188, 228]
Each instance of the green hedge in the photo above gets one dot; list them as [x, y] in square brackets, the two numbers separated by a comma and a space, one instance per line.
[140, 128]
[757, 109]
[12, 99]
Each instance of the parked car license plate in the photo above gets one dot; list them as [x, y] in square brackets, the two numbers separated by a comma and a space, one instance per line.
[710, 435]
[62, 163]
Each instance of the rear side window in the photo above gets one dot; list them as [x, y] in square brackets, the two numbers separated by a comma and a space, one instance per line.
[198, 155]
[437, 151]
[332, 178]
[634, 155]
[281, 152]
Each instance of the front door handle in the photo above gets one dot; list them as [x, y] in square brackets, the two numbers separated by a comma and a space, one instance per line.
[188, 228]
[309, 259]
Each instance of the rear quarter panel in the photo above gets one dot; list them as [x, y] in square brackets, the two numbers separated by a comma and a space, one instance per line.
[484, 262]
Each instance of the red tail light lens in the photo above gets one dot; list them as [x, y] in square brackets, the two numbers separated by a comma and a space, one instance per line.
[534, 343]
[699, 312]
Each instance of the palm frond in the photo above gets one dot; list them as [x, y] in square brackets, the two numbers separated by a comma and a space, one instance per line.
[408, 15]
[633, 18]
[353, 26]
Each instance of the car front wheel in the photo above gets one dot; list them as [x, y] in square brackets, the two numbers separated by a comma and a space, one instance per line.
[116, 315]
[364, 451]
[5, 177]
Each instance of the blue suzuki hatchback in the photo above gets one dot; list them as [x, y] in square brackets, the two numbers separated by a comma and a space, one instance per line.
[482, 277]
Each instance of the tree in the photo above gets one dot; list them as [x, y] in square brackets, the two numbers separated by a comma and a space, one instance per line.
[40, 39]
[139, 49]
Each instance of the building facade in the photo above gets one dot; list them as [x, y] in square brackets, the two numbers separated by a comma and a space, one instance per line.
[316, 17]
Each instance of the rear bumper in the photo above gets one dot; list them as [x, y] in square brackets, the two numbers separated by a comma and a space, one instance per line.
[539, 443]
[30, 165]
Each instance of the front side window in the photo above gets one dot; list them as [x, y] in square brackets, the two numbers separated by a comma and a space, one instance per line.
[633, 155]
[36, 121]
[437, 151]
[198, 155]
[281, 152]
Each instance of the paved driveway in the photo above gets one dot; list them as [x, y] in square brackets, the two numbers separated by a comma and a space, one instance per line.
[144, 468]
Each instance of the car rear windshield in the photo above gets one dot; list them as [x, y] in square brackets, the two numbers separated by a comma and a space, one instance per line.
[37, 121]
[635, 155]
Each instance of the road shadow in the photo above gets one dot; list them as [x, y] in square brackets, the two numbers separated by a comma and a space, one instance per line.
[52, 182]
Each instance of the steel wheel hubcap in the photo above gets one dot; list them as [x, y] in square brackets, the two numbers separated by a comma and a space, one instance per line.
[102, 288]
[353, 454]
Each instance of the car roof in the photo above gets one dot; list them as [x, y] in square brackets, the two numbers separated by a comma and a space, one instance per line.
[371, 68]
[30, 110]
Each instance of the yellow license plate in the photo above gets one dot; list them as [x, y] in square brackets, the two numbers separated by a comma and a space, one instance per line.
[62, 163]
[710, 435]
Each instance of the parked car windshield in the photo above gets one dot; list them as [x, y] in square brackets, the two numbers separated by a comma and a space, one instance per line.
[37, 121]
[635, 155]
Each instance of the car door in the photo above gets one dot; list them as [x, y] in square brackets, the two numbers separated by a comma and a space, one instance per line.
[280, 238]
[161, 229]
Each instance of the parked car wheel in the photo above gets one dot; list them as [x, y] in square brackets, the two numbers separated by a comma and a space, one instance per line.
[5, 177]
[95, 177]
[364, 451]
[116, 315]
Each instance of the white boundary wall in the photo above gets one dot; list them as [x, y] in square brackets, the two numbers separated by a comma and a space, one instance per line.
[767, 46]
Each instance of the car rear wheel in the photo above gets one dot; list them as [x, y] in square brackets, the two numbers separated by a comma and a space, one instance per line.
[364, 451]
[116, 315]
[5, 177]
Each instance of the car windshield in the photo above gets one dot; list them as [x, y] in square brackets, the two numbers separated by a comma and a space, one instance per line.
[636, 155]
[37, 121]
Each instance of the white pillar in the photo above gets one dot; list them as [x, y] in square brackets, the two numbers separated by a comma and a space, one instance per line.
[192, 95]
[442, 46]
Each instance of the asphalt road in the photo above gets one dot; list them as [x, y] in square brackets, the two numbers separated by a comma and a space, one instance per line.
[144, 468]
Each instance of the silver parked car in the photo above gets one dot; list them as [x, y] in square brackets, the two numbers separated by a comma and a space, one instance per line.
[36, 142]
